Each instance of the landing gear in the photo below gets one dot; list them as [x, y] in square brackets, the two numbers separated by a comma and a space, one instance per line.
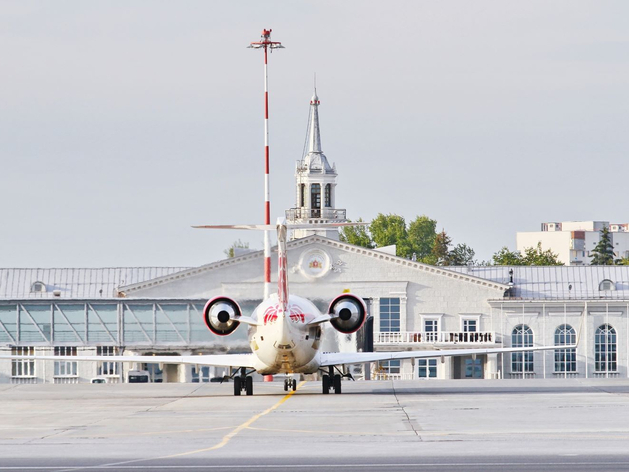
[326, 384]
[243, 383]
[331, 380]
[290, 384]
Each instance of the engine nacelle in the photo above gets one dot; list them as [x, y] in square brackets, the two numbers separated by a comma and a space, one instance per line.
[221, 315]
[351, 313]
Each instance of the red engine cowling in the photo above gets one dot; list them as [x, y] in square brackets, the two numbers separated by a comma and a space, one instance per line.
[351, 311]
[221, 315]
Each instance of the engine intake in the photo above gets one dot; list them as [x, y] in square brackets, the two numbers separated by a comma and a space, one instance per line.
[221, 315]
[351, 313]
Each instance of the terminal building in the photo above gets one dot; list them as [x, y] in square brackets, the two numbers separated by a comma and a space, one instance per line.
[413, 306]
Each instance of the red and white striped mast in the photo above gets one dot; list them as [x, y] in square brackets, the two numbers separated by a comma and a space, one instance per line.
[266, 44]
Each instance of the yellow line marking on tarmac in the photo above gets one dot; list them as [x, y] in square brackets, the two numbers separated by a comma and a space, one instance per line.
[233, 433]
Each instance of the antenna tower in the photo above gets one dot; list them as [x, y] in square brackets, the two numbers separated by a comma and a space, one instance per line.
[266, 44]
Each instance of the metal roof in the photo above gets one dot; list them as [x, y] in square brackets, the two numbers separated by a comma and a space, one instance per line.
[557, 282]
[76, 283]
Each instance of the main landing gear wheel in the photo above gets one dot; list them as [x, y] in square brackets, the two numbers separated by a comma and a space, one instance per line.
[326, 384]
[249, 385]
[294, 384]
[243, 383]
[286, 381]
[331, 380]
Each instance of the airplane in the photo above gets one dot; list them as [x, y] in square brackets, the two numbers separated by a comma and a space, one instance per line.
[285, 332]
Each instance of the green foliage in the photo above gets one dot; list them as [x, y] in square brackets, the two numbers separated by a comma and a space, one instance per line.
[462, 254]
[603, 253]
[356, 235]
[533, 256]
[231, 251]
[441, 249]
[391, 229]
[504, 257]
[419, 239]
[421, 236]
[537, 257]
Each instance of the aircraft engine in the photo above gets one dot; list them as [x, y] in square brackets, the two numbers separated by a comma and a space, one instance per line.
[221, 315]
[351, 311]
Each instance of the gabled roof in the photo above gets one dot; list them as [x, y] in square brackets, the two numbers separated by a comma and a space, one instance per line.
[557, 282]
[439, 271]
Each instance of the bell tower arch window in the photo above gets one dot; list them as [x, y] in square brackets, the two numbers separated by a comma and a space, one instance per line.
[315, 200]
[328, 195]
[302, 195]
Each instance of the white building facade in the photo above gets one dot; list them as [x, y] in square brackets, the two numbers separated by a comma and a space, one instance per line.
[573, 241]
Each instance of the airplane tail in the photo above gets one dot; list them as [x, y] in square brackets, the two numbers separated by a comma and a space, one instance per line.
[282, 228]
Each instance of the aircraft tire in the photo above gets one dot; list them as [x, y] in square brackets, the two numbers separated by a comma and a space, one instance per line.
[237, 386]
[294, 384]
[326, 384]
[337, 383]
[249, 385]
[286, 385]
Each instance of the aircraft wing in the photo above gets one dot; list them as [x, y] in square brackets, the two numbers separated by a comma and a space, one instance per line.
[219, 360]
[338, 358]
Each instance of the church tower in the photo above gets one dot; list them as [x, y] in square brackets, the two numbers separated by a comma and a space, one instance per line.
[315, 182]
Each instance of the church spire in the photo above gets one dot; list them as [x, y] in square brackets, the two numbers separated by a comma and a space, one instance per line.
[314, 159]
[315, 184]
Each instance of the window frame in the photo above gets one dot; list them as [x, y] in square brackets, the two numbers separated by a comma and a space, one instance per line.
[389, 316]
[23, 368]
[565, 360]
[69, 368]
[428, 366]
[522, 362]
[607, 358]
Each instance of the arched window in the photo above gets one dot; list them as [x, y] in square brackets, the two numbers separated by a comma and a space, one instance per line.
[522, 362]
[302, 195]
[315, 200]
[38, 287]
[606, 285]
[565, 359]
[605, 348]
[328, 195]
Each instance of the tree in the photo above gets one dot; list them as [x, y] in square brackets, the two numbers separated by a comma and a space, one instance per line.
[232, 250]
[537, 257]
[504, 257]
[604, 250]
[441, 249]
[356, 235]
[462, 254]
[391, 229]
[421, 236]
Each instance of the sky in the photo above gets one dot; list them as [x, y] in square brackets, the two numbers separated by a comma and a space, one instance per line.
[124, 123]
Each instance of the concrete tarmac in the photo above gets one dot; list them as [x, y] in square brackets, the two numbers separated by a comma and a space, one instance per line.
[463, 425]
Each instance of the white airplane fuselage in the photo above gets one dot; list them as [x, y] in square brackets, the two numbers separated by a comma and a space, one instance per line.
[282, 341]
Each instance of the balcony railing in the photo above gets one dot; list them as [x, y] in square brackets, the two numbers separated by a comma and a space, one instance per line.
[315, 213]
[440, 337]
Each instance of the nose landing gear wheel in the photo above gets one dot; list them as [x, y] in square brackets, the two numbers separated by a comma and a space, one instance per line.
[294, 384]
[286, 385]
